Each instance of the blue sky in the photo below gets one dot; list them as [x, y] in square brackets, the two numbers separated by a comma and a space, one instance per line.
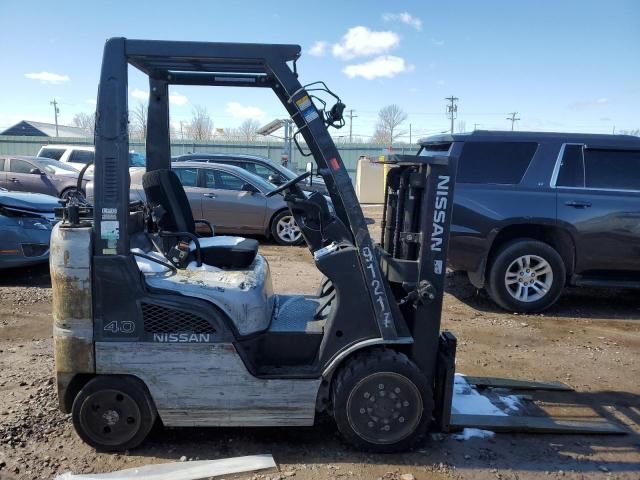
[562, 65]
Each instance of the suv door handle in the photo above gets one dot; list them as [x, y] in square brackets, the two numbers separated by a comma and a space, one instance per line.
[209, 195]
[14, 180]
[577, 204]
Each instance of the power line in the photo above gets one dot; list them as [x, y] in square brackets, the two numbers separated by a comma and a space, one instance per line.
[512, 117]
[452, 109]
[351, 116]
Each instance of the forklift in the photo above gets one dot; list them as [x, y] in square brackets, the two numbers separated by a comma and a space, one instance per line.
[158, 319]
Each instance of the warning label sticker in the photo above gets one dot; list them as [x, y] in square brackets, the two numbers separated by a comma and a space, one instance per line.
[303, 103]
[109, 230]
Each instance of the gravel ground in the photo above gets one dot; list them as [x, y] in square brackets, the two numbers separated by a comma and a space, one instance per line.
[589, 340]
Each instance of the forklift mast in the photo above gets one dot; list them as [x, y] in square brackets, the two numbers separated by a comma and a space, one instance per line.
[214, 64]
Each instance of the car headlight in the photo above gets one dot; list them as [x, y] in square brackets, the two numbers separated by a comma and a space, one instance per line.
[35, 223]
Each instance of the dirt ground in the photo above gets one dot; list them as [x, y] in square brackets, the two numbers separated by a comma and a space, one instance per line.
[589, 340]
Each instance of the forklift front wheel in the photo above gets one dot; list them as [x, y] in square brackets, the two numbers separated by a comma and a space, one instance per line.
[113, 413]
[382, 402]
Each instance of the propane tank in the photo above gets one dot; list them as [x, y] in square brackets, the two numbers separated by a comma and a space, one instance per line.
[70, 266]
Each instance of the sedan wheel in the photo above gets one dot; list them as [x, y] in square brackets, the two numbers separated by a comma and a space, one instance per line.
[284, 229]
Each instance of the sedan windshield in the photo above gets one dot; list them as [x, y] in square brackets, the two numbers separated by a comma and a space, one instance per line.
[258, 181]
[54, 166]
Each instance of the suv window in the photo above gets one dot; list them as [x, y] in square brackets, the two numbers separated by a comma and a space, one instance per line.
[1, 164]
[19, 166]
[52, 153]
[188, 176]
[571, 172]
[81, 156]
[612, 169]
[502, 163]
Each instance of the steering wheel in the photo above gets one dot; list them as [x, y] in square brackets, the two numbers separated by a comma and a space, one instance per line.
[288, 185]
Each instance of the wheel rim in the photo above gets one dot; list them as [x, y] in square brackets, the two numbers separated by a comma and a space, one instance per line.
[110, 417]
[529, 278]
[68, 193]
[384, 408]
[287, 229]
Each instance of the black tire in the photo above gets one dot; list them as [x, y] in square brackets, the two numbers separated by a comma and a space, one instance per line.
[281, 238]
[113, 413]
[539, 291]
[362, 415]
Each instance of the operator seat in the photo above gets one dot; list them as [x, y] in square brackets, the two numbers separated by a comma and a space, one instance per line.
[172, 213]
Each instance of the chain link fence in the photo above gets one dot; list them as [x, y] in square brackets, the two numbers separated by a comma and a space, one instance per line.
[350, 152]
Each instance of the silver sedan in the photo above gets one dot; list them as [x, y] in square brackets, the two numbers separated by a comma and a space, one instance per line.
[232, 199]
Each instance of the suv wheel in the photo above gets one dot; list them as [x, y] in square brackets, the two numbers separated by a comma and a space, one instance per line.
[526, 276]
[284, 229]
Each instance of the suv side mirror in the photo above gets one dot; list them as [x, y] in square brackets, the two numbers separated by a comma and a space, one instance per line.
[275, 179]
[36, 171]
[247, 187]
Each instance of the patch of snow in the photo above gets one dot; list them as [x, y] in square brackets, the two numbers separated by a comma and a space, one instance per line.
[511, 402]
[469, 433]
[467, 400]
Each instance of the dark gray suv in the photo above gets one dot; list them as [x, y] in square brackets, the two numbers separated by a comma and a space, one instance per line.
[534, 212]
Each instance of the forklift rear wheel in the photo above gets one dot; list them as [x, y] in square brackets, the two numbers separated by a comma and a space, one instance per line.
[113, 413]
[382, 402]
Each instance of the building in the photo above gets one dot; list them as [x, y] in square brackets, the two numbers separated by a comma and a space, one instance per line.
[27, 128]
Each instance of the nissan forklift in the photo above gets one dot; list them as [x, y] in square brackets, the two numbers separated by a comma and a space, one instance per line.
[158, 319]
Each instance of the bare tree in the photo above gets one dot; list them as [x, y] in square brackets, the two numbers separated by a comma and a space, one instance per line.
[248, 129]
[138, 120]
[462, 126]
[200, 128]
[389, 119]
[635, 132]
[85, 121]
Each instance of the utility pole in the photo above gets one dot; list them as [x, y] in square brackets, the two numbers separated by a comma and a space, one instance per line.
[452, 109]
[56, 111]
[351, 116]
[475, 126]
[512, 117]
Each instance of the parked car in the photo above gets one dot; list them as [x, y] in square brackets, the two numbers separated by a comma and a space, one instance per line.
[262, 166]
[80, 155]
[232, 199]
[534, 212]
[39, 175]
[26, 220]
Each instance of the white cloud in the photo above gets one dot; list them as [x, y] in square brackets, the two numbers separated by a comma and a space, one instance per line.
[141, 94]
[404, 17]
[318, 49]
[48, 77]
[91, 101]
[386, 66]
[177, 99]
[360, 41]
[237, 110]
[437, 43]
[174, 98]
